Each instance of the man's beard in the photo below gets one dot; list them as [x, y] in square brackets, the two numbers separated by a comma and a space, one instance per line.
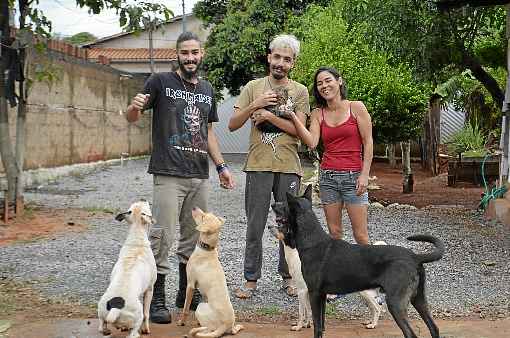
[278, 76]
[188, 74]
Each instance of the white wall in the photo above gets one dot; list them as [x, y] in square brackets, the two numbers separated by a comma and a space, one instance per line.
[164, 37]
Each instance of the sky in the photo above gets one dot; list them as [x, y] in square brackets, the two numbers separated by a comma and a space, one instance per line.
[67, 19]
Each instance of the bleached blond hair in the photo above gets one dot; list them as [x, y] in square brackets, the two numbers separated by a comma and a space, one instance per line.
[285, 41]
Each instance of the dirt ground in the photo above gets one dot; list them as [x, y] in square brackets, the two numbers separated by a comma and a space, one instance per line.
[19, 301]
[428, 190]
[37, 222]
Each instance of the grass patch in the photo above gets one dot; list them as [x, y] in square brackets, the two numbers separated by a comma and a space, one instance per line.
[331, 310]
[104, 210]
[29, 209]
[271, 310]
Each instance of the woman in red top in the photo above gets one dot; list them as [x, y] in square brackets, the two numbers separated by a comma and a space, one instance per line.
[346, 131]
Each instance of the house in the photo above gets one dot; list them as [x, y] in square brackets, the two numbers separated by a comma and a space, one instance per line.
[129, 51]
[165, 36]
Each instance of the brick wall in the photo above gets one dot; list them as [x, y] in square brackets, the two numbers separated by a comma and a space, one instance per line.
[77, 118]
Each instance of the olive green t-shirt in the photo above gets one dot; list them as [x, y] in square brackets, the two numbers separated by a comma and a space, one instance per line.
[275, 152]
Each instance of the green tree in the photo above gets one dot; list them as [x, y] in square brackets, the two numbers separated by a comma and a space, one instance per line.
[211, 11]
[80, 38]
[436, 44]
[32, 21]
[237, 45]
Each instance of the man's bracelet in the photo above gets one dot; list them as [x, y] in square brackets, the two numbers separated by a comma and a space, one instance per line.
[221, 167]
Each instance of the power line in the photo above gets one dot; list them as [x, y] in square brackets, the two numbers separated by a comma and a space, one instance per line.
[91, 16]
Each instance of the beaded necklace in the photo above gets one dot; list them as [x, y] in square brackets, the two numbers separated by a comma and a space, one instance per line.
[186, 88]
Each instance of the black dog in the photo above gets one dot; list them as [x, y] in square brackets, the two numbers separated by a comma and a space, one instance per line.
[337, 267]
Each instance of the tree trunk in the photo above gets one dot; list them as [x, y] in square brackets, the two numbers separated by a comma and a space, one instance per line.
[22, 108]
[485, 78]
[392, 159]
[408, 182]
[6, 152]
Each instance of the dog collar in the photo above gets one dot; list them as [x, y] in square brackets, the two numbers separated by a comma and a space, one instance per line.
[205, 246]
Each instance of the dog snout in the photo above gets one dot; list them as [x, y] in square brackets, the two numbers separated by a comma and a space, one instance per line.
[122, 216]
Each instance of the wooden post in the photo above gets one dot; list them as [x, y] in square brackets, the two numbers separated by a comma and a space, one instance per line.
[408, 181]
[505, 127]
[6, 208]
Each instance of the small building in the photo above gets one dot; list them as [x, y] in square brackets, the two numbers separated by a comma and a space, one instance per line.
[129, 51]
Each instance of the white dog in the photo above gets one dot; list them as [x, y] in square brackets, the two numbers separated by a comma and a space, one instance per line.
[294, 264]
[132, 277]
[374, 302]
[371, 297]
[204, 271]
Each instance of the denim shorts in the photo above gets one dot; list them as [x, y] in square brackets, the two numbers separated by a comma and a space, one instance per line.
[340, 186]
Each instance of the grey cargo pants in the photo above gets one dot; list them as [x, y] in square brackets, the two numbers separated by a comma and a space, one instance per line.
[259, 186]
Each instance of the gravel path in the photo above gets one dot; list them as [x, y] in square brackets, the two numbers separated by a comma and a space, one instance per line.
[472, 278]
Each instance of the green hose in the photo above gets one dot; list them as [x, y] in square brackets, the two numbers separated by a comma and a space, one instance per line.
[493, 193]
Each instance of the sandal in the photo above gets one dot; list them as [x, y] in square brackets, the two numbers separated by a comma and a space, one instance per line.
[244, 292]
[333, 297]
[289, 288]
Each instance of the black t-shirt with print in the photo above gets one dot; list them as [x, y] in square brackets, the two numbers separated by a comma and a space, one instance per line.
[181, 112]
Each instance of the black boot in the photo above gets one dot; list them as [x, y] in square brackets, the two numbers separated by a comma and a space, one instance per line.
[181, 293]
[158, 312]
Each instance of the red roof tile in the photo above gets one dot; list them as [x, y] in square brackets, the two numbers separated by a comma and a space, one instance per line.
[132, 53]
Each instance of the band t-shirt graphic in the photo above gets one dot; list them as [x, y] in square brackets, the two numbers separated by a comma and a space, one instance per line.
[181, 112]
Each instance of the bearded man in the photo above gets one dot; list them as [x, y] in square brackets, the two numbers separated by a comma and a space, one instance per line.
[272, 164]
[182, 138]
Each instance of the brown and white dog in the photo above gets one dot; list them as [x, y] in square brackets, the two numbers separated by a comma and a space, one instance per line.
[371, 296]
[294, 264]
[204, 271]
[132, 277]
[374, 301]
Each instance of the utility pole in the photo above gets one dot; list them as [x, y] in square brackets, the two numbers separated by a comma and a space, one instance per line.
[183, 17]
[151, 48]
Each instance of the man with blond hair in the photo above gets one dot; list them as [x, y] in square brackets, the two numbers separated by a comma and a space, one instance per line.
[272, 164]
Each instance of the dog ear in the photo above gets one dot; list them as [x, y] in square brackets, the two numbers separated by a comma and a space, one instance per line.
[308, 192]
[222, 220]
[148, 219]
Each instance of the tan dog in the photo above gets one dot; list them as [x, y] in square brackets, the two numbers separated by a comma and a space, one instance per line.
[204, 271]
[132, 277]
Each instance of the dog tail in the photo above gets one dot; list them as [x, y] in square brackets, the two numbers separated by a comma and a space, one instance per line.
[431, 256]
[114, 306]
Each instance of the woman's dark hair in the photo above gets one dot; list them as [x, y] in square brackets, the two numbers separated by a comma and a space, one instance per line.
[318, 98]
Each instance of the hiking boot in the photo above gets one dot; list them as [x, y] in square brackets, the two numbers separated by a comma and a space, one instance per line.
[158, 312]
[181, 293]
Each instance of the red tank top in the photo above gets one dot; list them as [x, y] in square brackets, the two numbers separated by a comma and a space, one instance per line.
[342, 145]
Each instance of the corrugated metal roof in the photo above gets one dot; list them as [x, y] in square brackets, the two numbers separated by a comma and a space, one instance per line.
[133, 53]
[236, 142]
[451, 121]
